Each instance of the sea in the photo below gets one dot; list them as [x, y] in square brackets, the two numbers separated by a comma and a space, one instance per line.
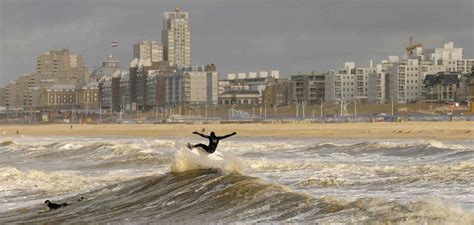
[131, 180]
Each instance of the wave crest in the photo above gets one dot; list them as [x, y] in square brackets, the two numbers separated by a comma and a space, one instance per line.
[7, 143]
[186, 160]
[207, 196]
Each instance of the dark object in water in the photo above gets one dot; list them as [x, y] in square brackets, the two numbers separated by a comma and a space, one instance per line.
[53, 206]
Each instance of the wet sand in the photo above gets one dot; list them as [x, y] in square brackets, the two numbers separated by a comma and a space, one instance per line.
[413, 130]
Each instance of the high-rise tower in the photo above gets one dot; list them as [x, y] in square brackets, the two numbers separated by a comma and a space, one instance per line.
[176, 38]
[148, 50]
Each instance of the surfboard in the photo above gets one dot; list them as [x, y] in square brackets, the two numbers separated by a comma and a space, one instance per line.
[43, 210]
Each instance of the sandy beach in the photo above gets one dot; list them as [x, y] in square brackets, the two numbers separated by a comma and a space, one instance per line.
[462, 130]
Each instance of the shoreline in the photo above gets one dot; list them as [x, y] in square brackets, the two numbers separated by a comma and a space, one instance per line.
[455, 130]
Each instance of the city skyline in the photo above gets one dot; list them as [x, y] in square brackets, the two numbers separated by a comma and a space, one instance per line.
[234, 36]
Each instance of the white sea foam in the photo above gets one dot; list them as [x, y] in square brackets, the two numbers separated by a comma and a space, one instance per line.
[357, 171]
[428, 143]
[186, 160]
[55, 182]
[70, 146]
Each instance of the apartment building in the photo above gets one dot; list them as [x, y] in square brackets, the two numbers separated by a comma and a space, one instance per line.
[340, 85]
[59, 67]
[191, 87]
[278, 93]
[148, 50]
[176, 38]
[309, 88]
[139, 72]
[442, 86]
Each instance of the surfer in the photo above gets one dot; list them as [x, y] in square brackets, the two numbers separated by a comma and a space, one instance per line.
[52, 206]
[213, 141]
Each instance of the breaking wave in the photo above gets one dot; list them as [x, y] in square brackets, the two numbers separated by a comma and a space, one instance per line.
[424, 144]
[146, 181]
[205, 196]
[7, 143]
[187, 160]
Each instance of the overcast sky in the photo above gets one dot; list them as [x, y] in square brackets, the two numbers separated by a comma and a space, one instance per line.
[237, 35]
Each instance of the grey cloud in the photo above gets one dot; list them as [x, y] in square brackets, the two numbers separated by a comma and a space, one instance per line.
[293, 36]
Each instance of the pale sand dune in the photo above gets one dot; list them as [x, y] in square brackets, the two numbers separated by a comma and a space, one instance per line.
[423, 130]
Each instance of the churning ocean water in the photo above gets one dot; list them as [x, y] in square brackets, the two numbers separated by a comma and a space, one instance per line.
[248, 180]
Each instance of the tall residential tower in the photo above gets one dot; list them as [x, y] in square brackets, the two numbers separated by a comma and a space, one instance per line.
[176, 38]
[148, 50]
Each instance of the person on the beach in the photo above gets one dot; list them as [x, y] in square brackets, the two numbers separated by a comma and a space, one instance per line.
[213, 141]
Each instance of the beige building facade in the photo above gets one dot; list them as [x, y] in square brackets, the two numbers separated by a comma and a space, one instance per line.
[148, 50]
[59, 67]
[60, 97]
[176, 38]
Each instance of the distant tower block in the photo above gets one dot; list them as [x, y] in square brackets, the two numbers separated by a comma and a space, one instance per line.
[231, 76]
[263, 74]
[242, 76]
[176, 38]
[252, 75]
[275, 74]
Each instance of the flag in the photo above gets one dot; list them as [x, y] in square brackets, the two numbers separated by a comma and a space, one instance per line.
[114, 44]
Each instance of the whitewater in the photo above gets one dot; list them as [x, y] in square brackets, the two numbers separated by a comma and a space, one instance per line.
[248, 180]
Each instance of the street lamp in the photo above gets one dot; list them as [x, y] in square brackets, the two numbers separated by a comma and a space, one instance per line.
[304, 103]
[355, 106]
[321, 99]
[392, 104]
[297, 109]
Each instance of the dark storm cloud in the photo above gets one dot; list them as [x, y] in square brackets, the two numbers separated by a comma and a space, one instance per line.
[293, 36]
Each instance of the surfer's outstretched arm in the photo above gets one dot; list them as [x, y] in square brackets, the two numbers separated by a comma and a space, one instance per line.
[226, 136]
[202, 135]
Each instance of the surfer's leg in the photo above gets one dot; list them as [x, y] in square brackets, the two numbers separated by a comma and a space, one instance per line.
[203, 146]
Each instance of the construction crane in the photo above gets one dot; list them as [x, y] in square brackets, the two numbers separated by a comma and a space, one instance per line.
[412, 45]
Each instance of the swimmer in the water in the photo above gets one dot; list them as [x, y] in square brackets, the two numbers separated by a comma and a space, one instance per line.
[213, 141]
[52, 206]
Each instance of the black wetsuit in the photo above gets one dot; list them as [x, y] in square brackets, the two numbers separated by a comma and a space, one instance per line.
[213, 142]
[51, 205]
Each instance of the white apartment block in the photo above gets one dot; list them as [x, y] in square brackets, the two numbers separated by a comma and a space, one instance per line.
[405, 81]
[447, 56]
[376, 87]
[405, 78]
[465, 66]
[378, 80]
[148, 51]
[347, 84]
[176, 38]
[362, 82]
